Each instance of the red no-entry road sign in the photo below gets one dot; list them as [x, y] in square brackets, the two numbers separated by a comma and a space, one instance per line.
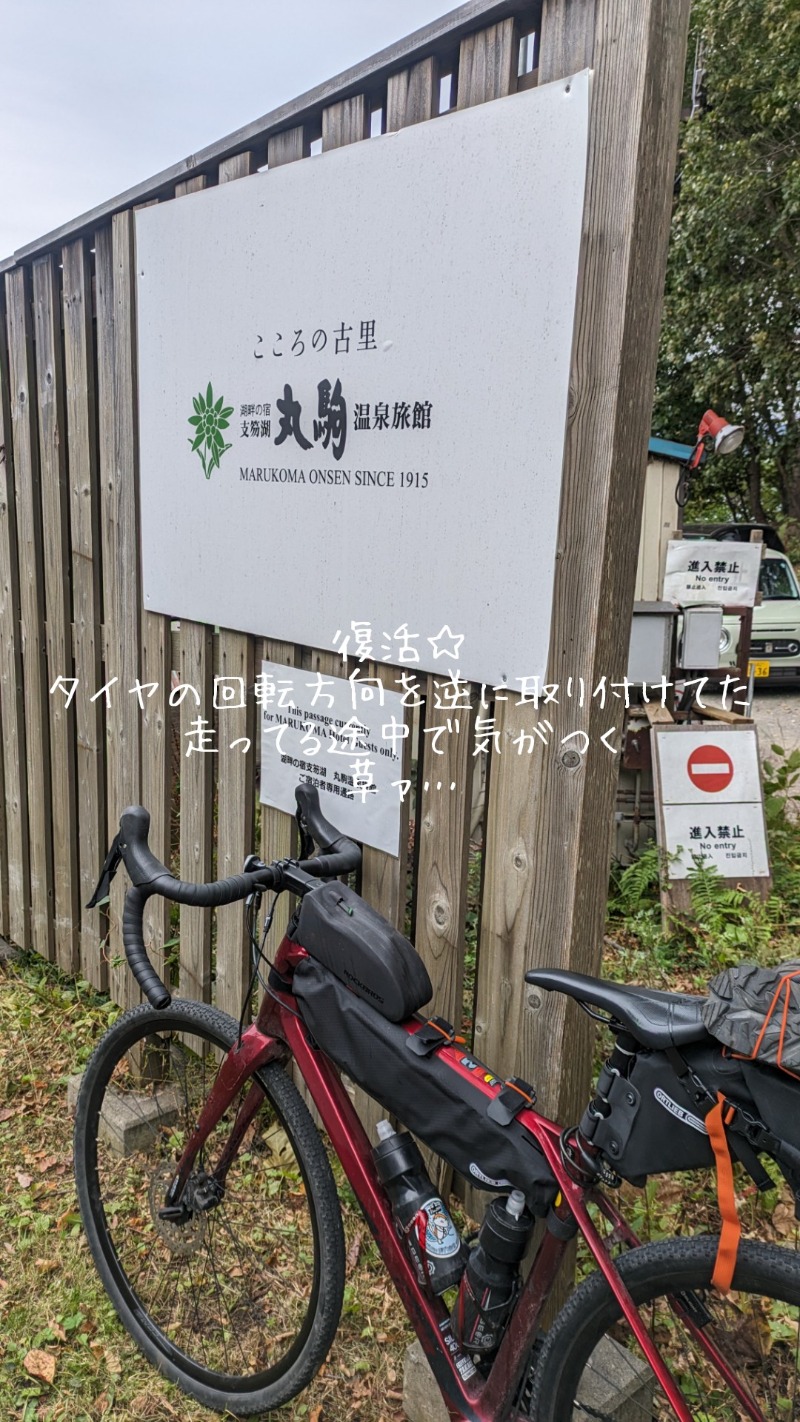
[710, 768]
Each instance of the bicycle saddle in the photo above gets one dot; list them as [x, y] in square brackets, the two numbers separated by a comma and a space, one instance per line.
[656, 1019]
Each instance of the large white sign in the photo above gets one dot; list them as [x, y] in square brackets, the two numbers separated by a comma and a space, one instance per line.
[706, 570]
[343, 736]
[353, 383]
[708, 785]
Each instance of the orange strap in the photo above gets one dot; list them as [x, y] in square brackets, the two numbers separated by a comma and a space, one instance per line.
[731, 1228]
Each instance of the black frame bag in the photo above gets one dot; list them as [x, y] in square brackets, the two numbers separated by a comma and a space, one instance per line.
[442, 1097]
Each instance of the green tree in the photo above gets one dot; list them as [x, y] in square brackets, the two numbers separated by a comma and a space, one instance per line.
[731, 329]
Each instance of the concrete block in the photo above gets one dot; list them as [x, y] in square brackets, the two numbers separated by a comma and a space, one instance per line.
[422, 1400]
[616, 1385]
[128, 1120]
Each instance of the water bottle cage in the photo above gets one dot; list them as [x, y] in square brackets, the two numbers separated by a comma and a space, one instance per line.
[515, 1094]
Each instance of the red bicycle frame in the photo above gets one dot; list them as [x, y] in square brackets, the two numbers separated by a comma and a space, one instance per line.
[279, 1033]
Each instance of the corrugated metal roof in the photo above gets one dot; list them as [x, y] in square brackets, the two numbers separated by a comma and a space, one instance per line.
[668, 449]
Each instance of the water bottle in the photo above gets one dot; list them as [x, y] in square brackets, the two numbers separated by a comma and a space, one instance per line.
[491, 1279]
[436, 1248]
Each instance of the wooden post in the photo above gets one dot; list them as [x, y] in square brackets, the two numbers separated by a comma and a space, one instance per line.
[549, 828]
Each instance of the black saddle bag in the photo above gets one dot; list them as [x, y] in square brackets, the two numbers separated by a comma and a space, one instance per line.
[442, 1098]
[656, 1123]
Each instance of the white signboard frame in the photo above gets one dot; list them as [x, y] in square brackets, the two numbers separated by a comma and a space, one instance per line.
[712, 571]
[353, 387]
[316, 730]
[724, 827]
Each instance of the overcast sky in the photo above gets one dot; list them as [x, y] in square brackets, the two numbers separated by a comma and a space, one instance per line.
[96, 95]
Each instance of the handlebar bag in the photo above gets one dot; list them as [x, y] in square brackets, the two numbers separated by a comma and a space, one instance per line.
[376, 962]
[442, 1098]
[756, 1013]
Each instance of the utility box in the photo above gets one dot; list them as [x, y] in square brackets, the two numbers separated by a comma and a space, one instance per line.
[702, 629]
[652, 641]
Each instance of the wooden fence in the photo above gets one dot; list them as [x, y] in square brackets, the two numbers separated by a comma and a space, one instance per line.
[70, 597]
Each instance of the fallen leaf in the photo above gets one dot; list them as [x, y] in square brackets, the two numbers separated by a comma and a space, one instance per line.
[46, 1266]
[48, 1164]
[112, 1362]
[101, 1404]
[6, 1113]
[40, 1364]
[23, 1180]
[57, 1330]
[354, 1251]
[315, 1413]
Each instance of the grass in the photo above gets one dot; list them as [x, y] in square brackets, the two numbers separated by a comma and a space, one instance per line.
[63, 1355]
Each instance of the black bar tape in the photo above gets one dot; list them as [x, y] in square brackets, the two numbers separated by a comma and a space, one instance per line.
[133, 940]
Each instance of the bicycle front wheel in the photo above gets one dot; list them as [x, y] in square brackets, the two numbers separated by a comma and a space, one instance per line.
[741, 1362]
[235, 1296]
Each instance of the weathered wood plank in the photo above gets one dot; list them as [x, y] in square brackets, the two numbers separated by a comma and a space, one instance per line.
[568, 28]
[278, 829]
[84, 532]
[22, 388]
[118, 446]
[15, 784]
[412, 96]
[157, 770]
[287, 147]
[86, 602]
[235, 812]
[196, 776]
[550, 819]
[487, 64]
[235, 770]
[196, 773]
[58, 608]
[345, 122]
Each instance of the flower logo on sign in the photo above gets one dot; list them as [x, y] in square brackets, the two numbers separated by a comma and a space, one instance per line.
[210, 418]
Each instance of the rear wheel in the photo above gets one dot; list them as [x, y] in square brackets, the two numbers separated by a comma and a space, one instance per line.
[235, 1296]
[591, 1367]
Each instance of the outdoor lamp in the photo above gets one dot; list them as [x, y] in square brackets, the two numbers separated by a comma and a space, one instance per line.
[727, 438]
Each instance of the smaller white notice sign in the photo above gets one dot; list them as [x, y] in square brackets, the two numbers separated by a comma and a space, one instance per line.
[731, 838]
[708, 788]
[344, 737]
[709, 571]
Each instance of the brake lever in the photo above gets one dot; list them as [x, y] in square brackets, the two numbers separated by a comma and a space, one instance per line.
[112, 862]
[307, 845]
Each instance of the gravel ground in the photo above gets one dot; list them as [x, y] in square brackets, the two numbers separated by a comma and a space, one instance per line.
[776, 713]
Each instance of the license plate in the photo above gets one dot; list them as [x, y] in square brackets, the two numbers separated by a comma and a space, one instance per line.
[758, 668]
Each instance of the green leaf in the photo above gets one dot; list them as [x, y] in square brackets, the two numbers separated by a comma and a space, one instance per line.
[219, 404]
[217, 438]
[198, 441]
[195, 419]
[227, 412]
[197, 401]
[209, 396]
[222, 424]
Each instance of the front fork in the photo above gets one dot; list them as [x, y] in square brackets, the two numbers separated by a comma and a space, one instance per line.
[254, 1049]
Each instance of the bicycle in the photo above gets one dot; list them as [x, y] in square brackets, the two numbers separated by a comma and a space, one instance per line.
[216, 1228]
